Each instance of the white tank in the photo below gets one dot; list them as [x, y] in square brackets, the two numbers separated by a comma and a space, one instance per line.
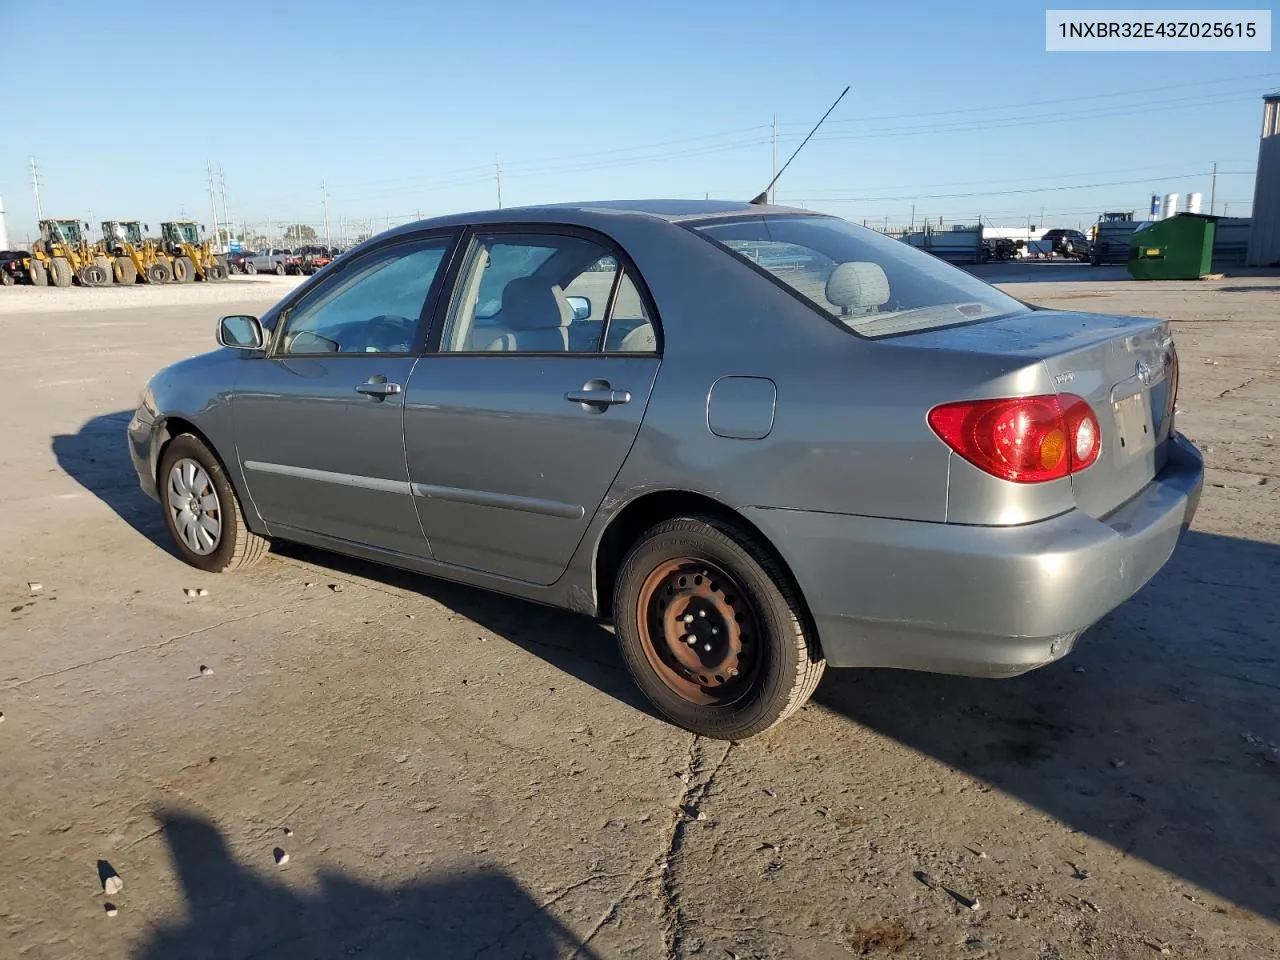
[1193, 202]
[4, 234]
[1170, 206]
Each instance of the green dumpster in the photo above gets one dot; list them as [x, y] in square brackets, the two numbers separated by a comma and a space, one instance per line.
[1179, 248]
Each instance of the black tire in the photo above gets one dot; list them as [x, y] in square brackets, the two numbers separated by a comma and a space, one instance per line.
[61, 274]
[777, 666]
[250, 269]
[184, 270]
[216, 272]
[37, 274]
[125, 271]
[6, 278]
[279, 269]
[159, 272]
[236, 546]
[104, 264]
[92, 275]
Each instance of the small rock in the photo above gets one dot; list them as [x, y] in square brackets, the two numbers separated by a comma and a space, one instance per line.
[288, 832]
[111, 910]
[281, 857]
[1119, 764]
[202, 592]
[190, 592]
[206, 671]
[1, 716]
[335, 587]
[410, 616]
[35, 587]
[308, 584]
[682, 777]
[112, 885]
[403, 758]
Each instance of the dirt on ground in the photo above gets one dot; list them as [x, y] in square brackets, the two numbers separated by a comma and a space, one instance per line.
[324, 758]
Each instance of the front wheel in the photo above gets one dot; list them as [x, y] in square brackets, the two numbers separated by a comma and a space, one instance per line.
[712, 630]
[201, 510]
[279, 269]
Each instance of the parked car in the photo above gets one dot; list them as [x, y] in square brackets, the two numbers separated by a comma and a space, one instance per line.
[14, 267]
[1071, 244]
[267, 261]
[864, 457]
[236, 261]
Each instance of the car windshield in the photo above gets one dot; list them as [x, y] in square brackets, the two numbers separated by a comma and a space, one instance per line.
[871, 284]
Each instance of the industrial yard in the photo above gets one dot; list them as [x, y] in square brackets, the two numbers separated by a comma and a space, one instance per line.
[326, 758]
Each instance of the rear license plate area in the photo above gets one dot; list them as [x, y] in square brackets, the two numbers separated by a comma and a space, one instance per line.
[1133, 424]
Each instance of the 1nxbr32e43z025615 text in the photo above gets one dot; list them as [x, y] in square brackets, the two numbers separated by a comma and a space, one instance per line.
[1158, 30]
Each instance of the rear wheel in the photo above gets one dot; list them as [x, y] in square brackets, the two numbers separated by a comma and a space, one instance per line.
[125, 271]
[37, 274]
[712, 630]
[279, 269]
[201, 509]
[184, 270]
[6, 278]
[159, 272]
[60, 272]
[249, 269]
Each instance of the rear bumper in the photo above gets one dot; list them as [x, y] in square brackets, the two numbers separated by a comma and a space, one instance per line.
[979, 601]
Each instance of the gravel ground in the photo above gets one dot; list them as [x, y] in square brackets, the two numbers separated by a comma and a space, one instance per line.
[453, 774]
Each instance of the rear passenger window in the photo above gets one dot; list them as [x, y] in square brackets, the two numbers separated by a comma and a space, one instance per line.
[630, 329]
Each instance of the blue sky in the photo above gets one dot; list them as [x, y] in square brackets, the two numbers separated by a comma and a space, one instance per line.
[402, 108]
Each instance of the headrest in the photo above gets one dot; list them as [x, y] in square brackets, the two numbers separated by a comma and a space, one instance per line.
[858, 285]
[532, 304]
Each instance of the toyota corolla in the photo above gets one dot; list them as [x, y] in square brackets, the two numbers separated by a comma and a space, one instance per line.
[755, 440]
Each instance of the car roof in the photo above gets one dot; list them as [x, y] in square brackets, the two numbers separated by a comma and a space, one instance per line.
[597, 213]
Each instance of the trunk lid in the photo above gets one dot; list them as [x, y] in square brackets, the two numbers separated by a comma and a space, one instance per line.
[1124, 367]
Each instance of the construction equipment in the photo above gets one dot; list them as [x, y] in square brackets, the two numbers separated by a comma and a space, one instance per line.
[131, 257]
[190, 258]
[64, 255]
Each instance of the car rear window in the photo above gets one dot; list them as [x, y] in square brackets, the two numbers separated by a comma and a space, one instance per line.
[871, 284]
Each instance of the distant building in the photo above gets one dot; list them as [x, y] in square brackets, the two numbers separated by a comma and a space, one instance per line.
[1264, 235]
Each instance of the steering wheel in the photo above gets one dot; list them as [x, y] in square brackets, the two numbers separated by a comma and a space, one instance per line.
[390, 333]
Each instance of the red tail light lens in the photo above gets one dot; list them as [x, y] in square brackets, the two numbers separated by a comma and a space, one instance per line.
[1022, 439]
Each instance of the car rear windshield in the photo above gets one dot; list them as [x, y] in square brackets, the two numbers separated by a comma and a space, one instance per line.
[869, 283]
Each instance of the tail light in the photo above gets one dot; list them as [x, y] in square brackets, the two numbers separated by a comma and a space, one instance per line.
[1022, 439]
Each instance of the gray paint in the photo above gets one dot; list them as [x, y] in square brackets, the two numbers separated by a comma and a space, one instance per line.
[1264, 236]
[905, 554]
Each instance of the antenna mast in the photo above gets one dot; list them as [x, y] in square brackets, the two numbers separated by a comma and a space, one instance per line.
[763, 197]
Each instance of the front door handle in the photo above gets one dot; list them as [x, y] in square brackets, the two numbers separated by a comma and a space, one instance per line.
[379, 388]
[598, 395]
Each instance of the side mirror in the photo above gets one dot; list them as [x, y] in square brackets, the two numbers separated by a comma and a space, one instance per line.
[146, 227]
[241, 332]
[581, 307]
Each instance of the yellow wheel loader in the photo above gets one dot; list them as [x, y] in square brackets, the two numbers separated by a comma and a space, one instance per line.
[63, 255]
[191, 258]
[132, 258]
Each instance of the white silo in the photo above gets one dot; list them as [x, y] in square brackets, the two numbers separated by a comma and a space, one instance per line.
[1170, 206]
[4, 234]
[1193, 202]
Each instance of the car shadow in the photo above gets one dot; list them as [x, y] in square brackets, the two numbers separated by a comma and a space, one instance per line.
[1155, 736]
[233, 912]
[97, 457]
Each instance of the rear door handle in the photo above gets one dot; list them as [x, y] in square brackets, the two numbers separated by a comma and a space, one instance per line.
[378, 388]
[599, 397]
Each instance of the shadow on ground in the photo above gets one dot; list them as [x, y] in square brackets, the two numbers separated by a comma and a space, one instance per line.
[233, 912]
[1153, 737]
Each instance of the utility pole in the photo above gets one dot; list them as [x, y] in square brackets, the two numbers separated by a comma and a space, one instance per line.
[773, 191]
[1213, 188]
[213, 203]
[325, 190]
[913, 218]
[497, 175]
[226, 217]
[35, 185]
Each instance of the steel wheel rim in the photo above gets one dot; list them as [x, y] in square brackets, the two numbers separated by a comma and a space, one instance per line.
[687, 599]
[194, 507]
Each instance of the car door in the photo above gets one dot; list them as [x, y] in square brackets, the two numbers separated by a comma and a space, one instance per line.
[320, 418]
[518, 421]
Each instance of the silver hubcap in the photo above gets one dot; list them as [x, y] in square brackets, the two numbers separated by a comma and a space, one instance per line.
[197, 515]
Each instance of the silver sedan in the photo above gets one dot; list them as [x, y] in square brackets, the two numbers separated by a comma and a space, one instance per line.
[756, 440]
